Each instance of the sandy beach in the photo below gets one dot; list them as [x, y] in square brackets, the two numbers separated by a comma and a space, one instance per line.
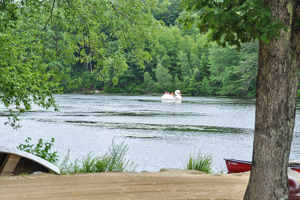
[121, 185]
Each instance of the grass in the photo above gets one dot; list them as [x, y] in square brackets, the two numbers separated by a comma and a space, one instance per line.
[200, 162]
[113, 160]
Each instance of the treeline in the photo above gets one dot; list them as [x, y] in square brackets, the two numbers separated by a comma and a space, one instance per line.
[100, 50]
[122, 49]
[180, 59]
[186, 61]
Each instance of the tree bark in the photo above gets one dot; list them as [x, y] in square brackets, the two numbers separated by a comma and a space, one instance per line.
[276, 99]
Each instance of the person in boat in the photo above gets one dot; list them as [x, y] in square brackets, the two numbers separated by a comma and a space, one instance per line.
[166, 92]
[172, 94]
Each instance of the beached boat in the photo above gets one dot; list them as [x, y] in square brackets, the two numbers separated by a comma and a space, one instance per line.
[14, 162]
[237, 166]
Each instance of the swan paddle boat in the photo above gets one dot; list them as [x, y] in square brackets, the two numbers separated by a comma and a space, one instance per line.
[167, 97]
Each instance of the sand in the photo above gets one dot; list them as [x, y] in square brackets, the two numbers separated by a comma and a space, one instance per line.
[121, 185]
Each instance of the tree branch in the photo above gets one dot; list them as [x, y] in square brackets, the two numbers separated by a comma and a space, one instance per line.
[119, 18]
[50, 15]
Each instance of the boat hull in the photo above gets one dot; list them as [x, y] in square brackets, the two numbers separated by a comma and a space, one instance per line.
[14, 161]
[295, 168]
[237, 166]
[170, 97]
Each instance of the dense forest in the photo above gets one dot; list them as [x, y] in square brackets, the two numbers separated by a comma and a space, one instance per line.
[174, 59]
[180, 59]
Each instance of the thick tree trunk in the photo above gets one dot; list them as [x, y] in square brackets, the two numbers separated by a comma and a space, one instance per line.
[276, 99]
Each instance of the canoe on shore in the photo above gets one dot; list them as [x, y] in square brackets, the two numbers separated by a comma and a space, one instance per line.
[14, 162]
[237, 166]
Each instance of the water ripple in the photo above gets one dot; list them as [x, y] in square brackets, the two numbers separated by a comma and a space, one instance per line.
[164, 127]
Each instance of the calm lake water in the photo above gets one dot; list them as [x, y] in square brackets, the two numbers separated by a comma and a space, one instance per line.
[158, 134]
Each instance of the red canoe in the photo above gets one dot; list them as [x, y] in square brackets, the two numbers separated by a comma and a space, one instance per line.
[245, 166]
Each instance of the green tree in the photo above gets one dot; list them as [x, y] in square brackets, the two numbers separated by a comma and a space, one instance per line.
[161, 55]
[221, 65]
[197, 75]
[247, 69]
[177, 83]
[170, 13]
[201, 45]
[204, 69]
[40, 38]
[276, 25]
[164, 78]
[167, 39]
[184, 64]
[148, 82]
[185, 44]
[206, 88]
[194, 87]
[194, 60]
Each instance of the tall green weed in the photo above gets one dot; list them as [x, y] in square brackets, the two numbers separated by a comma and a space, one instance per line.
[200, 162]
[113, 160]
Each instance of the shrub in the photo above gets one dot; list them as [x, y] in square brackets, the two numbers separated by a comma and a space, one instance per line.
[200, 163]
[88, 163]
[102, 163]
[41, 150]
[117, 161]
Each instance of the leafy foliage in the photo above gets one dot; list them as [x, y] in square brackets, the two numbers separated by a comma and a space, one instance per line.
[164, 79]
[148, 82]
[202, 70]
[170, 12]
[101, 45]
[41, 149]
[44, 42]
[184, 64]
[232, 22]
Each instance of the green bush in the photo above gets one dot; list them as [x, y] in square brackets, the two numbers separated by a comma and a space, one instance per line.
[102, 163]
[200, 163]
[116, 155]
[41, 150]
[112, 89]
[90, 80]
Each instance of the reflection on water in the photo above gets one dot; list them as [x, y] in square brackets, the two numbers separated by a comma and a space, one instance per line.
[158, 134]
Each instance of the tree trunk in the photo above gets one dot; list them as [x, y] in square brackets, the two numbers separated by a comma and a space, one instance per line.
[276, 99]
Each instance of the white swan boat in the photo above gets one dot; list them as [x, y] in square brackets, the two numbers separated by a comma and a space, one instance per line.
[172, 98]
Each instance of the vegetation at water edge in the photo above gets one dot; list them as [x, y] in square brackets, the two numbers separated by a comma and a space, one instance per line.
[41, 149]
[113, 160]
[200, 162]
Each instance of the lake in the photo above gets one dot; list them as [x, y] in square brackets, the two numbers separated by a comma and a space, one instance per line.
[158, 134]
